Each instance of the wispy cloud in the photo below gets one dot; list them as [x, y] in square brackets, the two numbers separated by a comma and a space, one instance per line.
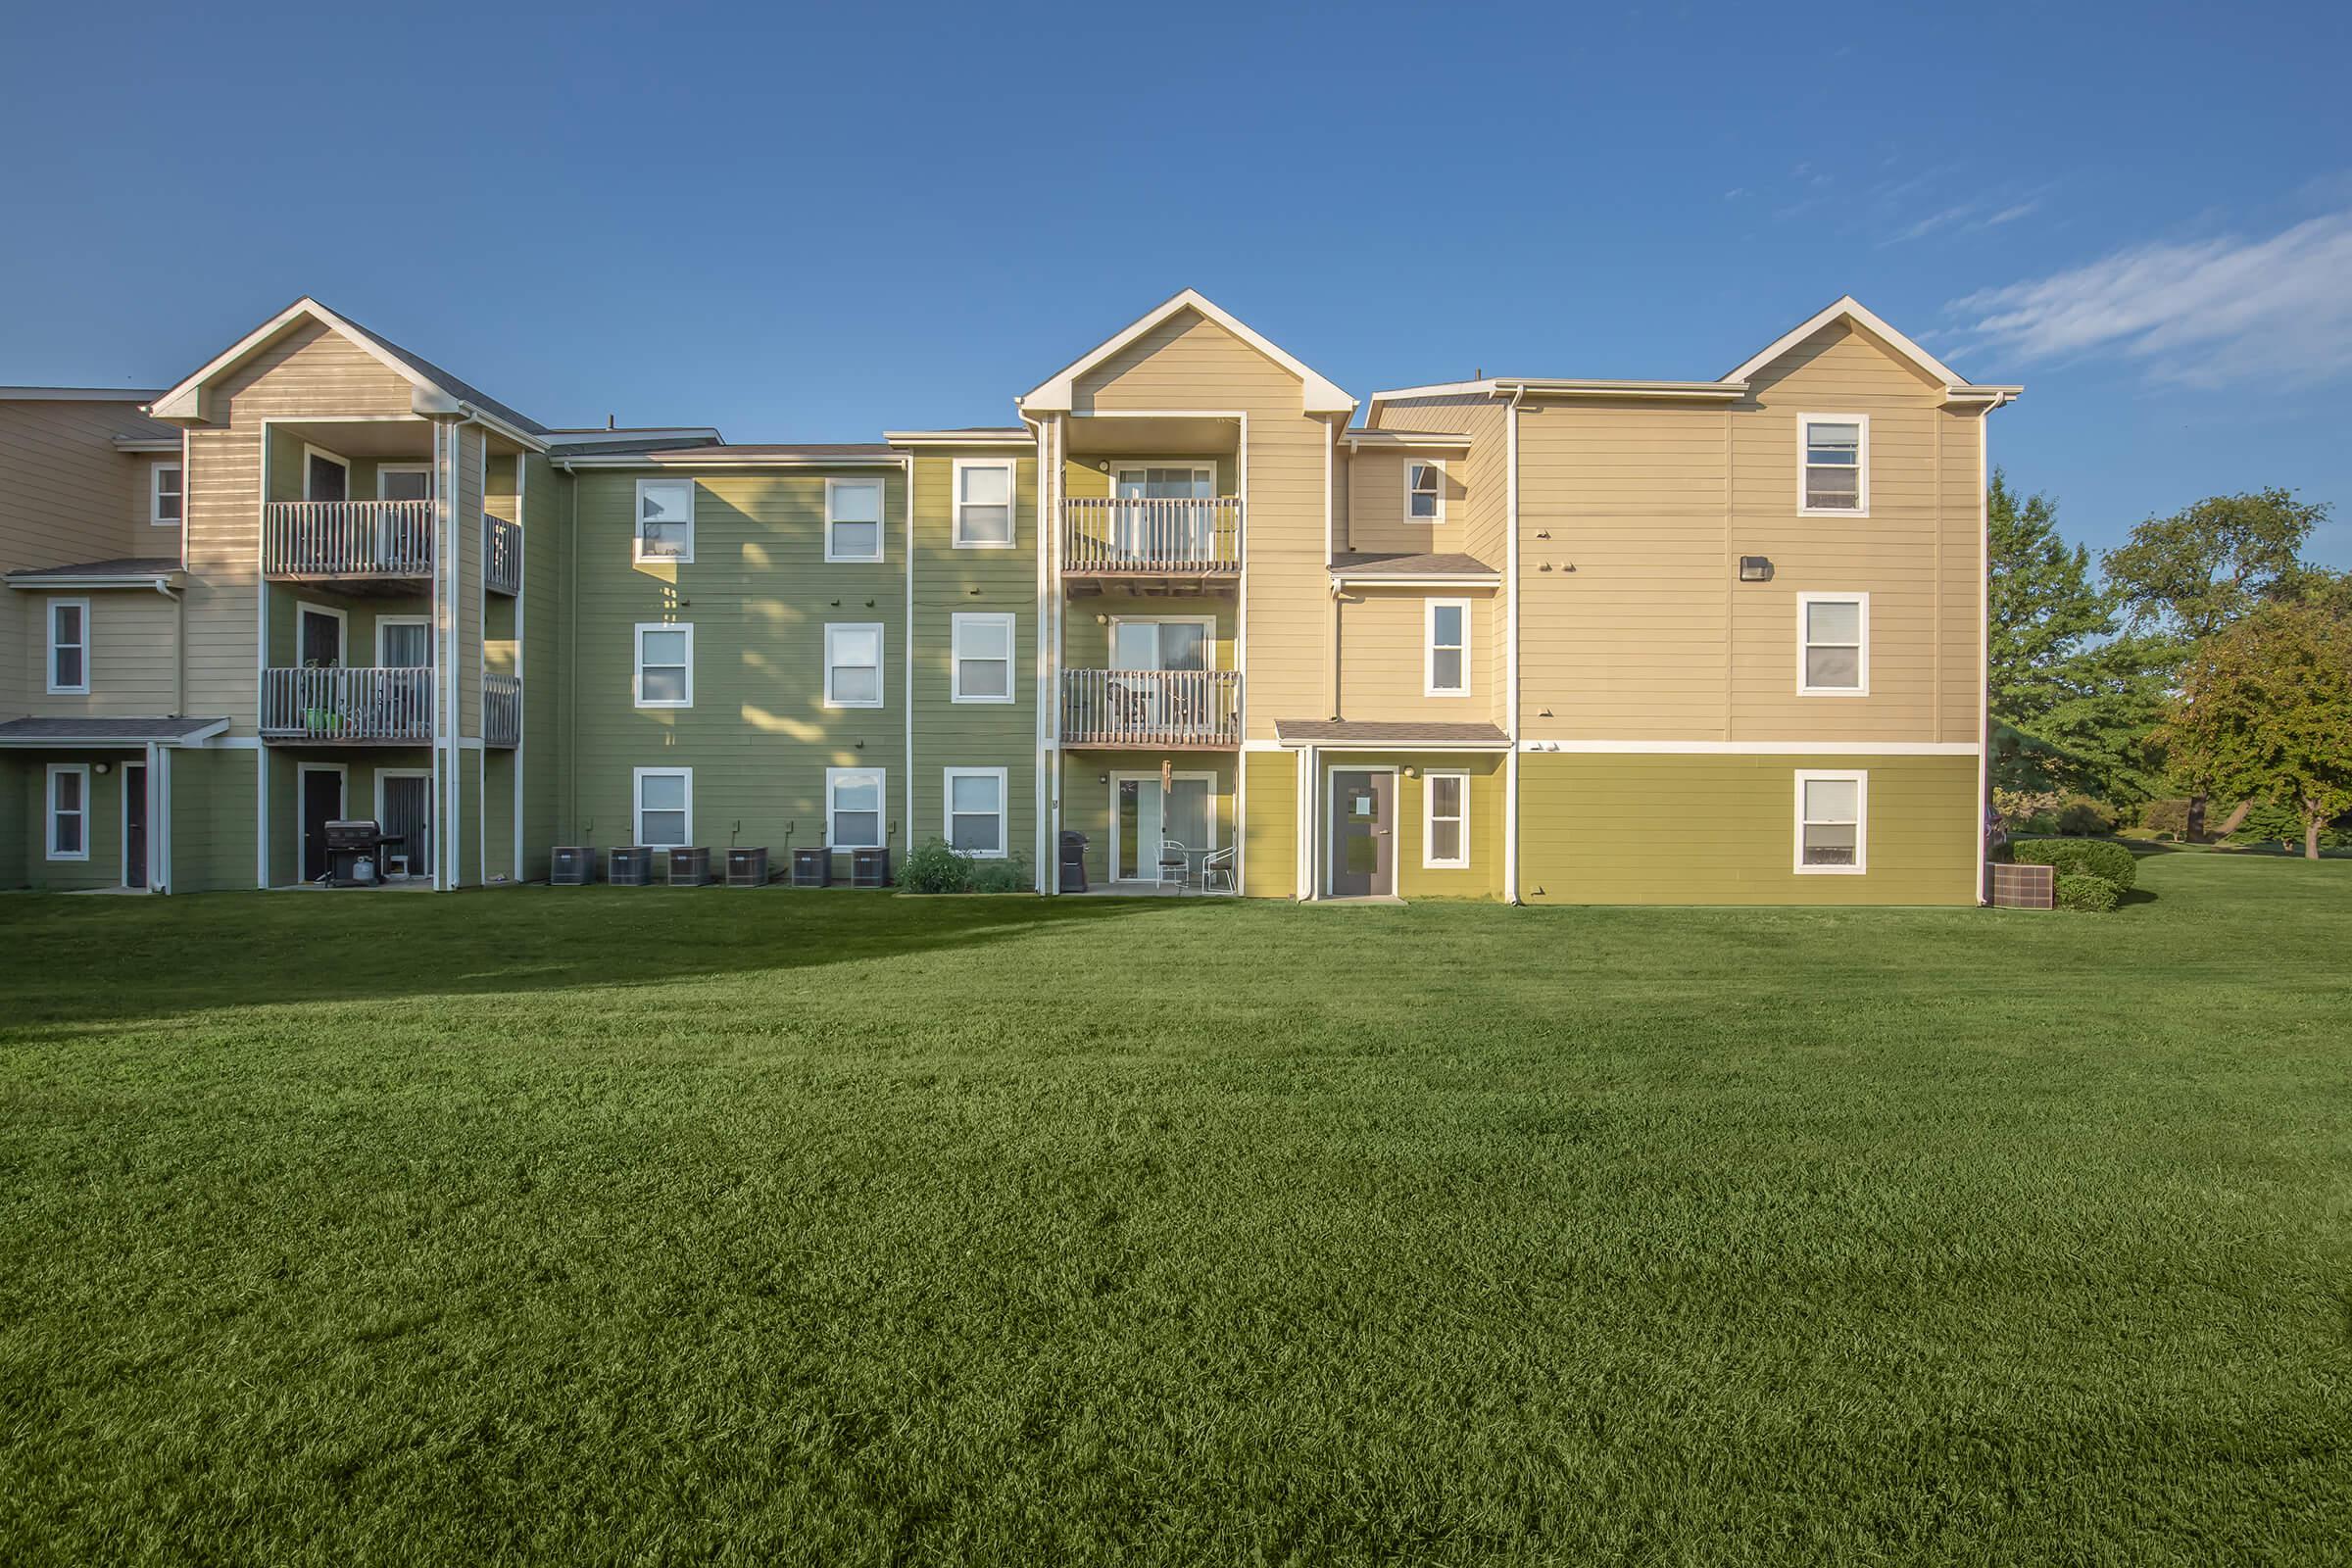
[2203, 313]
[1969, 216]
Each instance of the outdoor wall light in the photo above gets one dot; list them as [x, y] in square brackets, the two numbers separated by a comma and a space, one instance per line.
[1412, 772]
[1754, 568]
[102, 768]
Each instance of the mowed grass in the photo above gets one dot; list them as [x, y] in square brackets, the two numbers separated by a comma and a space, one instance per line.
[630, 1225]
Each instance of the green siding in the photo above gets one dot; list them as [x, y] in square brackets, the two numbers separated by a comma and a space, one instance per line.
[498, 815]
[1270, 864]
[546, 619]
[28, 809]
[1653, 829]
[212, 819]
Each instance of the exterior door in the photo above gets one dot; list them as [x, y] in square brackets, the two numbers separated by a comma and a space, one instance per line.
[406, 808]
[322, 804]
[321, 640]
[1171, 531]
[1144, 818]
[135, 825]
[325, 479]
[1363, 841]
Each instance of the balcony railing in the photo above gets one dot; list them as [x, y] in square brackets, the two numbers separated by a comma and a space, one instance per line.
[1157, 708]
[1152, 536]
[502, 709]
[366, 706]
[328, 539]
[502, 555]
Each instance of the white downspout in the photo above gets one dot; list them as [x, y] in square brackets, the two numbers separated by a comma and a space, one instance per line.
[1047, 856]
[1510, 649]
[907, 467]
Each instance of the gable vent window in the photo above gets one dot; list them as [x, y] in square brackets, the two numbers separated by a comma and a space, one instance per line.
[1836, 461]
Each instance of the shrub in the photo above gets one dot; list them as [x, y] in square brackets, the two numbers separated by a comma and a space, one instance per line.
[2166, 816]
[2089, 894]
[2084, 817]
[1009, 876]
[2080, 857]
[933, 867]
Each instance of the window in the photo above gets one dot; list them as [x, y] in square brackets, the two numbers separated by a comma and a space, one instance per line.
[403, 641]
[983, 504]
[165, 496]
[665, 807]
[68, 810]
[854, 665]
[1447, 673]
[320, 636]
[665, 664]
[981, 651]
[404, 481]
[1425, 492]
[853, 520]
[664, 521]
[976, 811]
[1833, 636]
[1832, 822]
[69, 646]
[324, 476]
[1445, 820]
[854, 808]
[1834, 464]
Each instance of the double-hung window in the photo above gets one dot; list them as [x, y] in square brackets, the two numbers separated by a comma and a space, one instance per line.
[853, 520]
[665, 527]
[1834, 464]
[1425, 492]
[69, 647]
[68, 812]
[1445, 820]
[404, 481]
[165, 496]
[980, 648]
[665, 664]
[1833, 829]
[1445, 671]
[983, 504]
[1833, 634]
[975, 801]
[854, 664]
[665, 807]
[854, 808]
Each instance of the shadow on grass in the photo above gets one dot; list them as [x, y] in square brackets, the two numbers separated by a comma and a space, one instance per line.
[293, 948]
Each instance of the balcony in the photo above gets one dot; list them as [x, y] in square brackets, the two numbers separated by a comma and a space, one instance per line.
[358, 544]
[366, 706]
[1158, 710]
[1174, 544]
[502, 556]
[502, 709]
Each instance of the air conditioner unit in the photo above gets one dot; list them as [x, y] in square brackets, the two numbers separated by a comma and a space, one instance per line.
[632, 868]
[571, 865]
[747, 869]
[812, 868]
[689, 868]
[870, 869]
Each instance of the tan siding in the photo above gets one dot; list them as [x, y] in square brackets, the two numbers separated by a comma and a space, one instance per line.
[133, 640]
[1382, 658]
[466, 526]
[1375, 507]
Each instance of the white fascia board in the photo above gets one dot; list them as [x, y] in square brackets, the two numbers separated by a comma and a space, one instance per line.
[1849, 309]
[1057, 394]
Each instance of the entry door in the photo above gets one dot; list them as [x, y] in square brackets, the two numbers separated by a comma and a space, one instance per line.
[322, 804]
[321, 640]
[135, 825]
[1145, 817]
[1160, 706]
[1160, 532]
[325, 479]
[408, 816]
[1363, 842]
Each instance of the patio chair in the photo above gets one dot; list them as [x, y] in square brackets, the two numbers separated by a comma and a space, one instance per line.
[1217, 866]
[1175, 864]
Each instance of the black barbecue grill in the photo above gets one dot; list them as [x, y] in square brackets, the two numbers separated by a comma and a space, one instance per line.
[355, 852]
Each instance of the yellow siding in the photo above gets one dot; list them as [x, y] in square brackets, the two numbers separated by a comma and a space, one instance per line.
[1269, 847]
[1376, 519]
[1482, 878]
[1382, 664]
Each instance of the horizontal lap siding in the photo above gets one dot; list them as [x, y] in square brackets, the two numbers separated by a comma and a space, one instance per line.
[1653, 829]
[1383, 668]
[1482, 878]
[1376, 519]
[1086, 799]
[545, 761]
[131, 643]
[26, 818]
[212, 819]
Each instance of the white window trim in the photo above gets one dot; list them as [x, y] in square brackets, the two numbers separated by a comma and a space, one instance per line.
[1861, 783]
[1861, 687]
[1012, 503]
[881, 665]
[637, 673]
[383, 621]
[956, 627]
[1429, 801]
[1428, 647]
[1861, 507]
[948, 813]
[155, 495]
[338, 460]
[834, 778]
[637, 555]
[1207, 623]
[50, 645]
[637, 778]
[881, 528]
[49, 813]
[342, 620]
[1411, 463]
[384, 469]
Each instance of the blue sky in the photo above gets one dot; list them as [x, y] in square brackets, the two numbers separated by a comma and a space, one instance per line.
[811, 226]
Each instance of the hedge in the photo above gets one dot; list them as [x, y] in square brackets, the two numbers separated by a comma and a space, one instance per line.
[2080, 890]
[2091, 857]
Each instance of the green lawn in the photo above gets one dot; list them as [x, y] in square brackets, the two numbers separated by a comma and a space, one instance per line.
[660, 1227]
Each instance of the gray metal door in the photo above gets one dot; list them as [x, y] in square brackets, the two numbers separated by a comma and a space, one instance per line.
[1363, 842]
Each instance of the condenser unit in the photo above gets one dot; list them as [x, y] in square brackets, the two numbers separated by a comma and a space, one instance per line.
[689, 868]
[812, 868]
[571, 865]
[747, 869]
[870, 869]
[632, 868]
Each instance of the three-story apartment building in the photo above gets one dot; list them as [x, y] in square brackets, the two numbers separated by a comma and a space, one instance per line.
[1541, 640]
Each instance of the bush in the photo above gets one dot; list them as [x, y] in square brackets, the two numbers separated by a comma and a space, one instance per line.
[2086, 893]
[2165, 817]
[2081, 857]
[933, 867]
[2084, 817]
[1004, 876]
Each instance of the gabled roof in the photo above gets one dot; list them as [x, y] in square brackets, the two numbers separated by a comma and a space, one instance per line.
[1320, 396]
[1854, 313]
[441, 392]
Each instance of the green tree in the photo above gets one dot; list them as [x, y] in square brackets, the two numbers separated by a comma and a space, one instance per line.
[2192, 574]
[2265, 708]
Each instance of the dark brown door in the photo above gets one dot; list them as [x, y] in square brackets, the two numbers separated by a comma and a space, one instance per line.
[322, 804]
[134, 826]
[1363, 842]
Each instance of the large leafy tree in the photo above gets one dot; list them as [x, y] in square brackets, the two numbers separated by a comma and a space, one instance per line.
[2265, 708]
